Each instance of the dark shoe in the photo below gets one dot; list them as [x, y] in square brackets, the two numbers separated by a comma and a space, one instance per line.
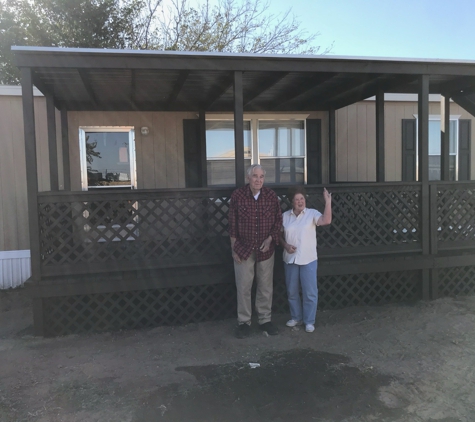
[243, 330]
[270, 328]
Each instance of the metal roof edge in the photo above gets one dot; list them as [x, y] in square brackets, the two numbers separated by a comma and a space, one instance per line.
[217, 55]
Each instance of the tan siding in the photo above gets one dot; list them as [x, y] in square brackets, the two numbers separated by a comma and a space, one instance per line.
[42, 144]
[342, 144]
[159, 155]
[13, 202]
[395, 112]
[21, 217]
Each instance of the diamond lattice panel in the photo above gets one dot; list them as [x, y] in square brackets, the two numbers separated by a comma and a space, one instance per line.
[182, 305]
[122, 230]
[456, 281]
[138, 309]
[368, 289]
[363, 216]
[455, 214]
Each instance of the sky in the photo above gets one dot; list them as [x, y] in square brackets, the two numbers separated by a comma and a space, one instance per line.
[389, 28]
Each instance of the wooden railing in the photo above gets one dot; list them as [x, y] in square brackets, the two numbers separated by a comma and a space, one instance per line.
[88, 232]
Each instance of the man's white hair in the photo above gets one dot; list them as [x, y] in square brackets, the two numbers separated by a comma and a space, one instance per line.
[251, 168]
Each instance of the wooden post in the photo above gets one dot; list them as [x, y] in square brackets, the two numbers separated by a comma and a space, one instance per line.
[238, 129]
[204, 168]
[444, 138]
[65, 145]
[31, 171]
[38, 316]
[380, 164]
[332, 144]
[52, 143]
[423, 149]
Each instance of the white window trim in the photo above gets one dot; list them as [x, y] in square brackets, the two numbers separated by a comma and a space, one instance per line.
[454, 117]
[82, 152]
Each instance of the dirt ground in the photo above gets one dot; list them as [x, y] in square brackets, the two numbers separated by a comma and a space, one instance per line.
[405, 362]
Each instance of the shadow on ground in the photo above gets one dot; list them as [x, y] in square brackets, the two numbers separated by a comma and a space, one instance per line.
[297, 385]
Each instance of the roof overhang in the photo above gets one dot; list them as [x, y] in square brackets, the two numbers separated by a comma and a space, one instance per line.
[98, 79]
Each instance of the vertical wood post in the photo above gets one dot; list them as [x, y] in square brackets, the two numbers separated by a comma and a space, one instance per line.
[204, 168]
[332, 144]
[434, 223]
[31, 171]
[444, 138]
[423, 149]
[65, 148]
[52, 143]
[38, 316]
[380, 164]
[238, 129]
[426, 284]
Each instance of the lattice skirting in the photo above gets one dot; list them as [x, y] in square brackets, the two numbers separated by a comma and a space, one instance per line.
[456, 281]
[182, 305]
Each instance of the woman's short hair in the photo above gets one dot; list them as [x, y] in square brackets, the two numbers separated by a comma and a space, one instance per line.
[295, 191]
[251, 168]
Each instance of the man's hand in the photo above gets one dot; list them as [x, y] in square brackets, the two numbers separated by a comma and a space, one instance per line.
[266, 244]
[236, 257]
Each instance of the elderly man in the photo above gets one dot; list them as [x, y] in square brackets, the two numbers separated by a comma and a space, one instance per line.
[255, 222]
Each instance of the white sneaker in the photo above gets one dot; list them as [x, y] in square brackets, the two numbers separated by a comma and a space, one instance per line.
[309, 328]
[293, 323]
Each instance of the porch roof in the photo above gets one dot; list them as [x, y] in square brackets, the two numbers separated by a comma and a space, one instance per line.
[115, 80]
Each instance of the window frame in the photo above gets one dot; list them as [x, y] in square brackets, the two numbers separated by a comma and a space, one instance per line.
[254, 120]
[83, 130]
[438, 117]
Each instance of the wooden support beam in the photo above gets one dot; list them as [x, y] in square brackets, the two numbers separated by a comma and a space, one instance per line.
[177, 87]
[31, 170]
[218, 90]
[270, 81]
[204, 167]
[313, 88]
[238, 129]
[332, 144]
[52, 143]
[87, 86]
[65, 148]
[380, 164]
[444, 137]
[423, 150]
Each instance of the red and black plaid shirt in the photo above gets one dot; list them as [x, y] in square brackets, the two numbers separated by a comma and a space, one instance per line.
[251, 221]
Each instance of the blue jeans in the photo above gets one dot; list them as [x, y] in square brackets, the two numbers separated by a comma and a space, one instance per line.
[304, 276]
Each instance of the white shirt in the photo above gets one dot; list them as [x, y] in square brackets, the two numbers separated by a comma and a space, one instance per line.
[300, 232]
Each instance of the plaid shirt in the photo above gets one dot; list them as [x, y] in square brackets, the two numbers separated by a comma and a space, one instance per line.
[251, 221]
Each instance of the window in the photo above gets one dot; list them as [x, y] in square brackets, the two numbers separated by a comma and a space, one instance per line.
[220, 151]
[107, 157]
[435, 152]
[278, 145]
[282, 150]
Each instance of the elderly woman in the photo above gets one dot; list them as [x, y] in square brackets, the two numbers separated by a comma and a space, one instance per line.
[299, 241]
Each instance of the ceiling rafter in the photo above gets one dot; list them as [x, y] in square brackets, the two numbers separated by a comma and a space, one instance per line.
[177, 87]
[218, 90]
[87, 85]
[263, 86]
[302, 89]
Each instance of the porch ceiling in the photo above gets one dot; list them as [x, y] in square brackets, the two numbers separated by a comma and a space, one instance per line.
[94, 79]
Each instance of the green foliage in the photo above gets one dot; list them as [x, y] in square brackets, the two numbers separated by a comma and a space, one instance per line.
[64, 23]
[242, 26]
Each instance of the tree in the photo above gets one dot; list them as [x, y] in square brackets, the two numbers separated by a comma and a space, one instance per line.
[66, 23]
[245, 26]
[232, 26]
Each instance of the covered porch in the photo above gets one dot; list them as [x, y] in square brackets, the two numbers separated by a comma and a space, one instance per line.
[113, 258]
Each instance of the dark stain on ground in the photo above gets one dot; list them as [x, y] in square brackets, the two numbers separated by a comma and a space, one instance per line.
[297, 385]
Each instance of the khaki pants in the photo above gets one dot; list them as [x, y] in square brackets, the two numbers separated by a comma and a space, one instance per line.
[244, 274]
